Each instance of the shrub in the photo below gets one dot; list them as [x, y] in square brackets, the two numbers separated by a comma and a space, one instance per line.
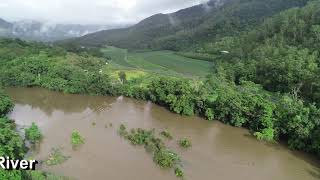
[265, 135]
[185, 143]
[33, 134]
[11, 143]
[166, 134]
[6, 104]
[56, 157]
[166, 158]
[179, 172]
[76, 139]
[209, 114]
[123, 130]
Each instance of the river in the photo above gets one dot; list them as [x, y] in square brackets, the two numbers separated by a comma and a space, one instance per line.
[219, 151]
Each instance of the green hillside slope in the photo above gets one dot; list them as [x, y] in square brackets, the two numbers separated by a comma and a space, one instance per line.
[190, 27]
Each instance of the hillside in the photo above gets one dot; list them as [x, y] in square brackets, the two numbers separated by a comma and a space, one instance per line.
[190, 27]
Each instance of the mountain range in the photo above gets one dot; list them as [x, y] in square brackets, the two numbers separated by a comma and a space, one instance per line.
[39, 31]
[188, 28]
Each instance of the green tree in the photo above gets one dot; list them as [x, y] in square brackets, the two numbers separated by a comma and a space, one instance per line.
[33, 133]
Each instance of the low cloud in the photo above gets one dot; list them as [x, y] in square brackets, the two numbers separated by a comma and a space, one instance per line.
[89, 11]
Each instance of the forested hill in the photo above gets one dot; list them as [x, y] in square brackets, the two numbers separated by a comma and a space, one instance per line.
[190, 27]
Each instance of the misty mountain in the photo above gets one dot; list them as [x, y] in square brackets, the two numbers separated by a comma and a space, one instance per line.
[38, 31]
[4, 24]
[5, 27]
[190, 27]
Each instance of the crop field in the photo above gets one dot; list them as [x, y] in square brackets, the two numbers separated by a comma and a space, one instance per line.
[118, 56]
[163, 62]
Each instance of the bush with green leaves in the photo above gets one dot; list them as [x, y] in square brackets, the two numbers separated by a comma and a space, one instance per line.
[11, 143]
[76, 139]
[6, 104]
[33, 133]
[179, 172]
[166, 158]
[185, 143]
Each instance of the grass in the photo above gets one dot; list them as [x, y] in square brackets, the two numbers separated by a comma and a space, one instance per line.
[170, 61]
[161, 62]
[118, 56]
[130, 74]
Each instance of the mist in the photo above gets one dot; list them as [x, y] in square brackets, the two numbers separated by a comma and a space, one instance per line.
[89, 11]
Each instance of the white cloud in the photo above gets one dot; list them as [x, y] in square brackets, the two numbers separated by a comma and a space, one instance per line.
[88, 11]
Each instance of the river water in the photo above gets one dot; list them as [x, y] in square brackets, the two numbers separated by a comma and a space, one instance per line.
[219, 151]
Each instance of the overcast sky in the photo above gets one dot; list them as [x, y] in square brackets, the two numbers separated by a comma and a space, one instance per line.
[89, 11]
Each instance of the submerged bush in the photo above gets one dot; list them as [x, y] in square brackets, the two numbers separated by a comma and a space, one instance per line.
[56, 157]
[166, 158]
[185, 143]
[122, 130]
[179, 172]
[76, 139]
[166, 134]
[162, 156]
[140, 136]
[33, 134]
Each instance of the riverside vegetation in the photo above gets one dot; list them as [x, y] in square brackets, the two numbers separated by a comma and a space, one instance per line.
[12, 144]
[268, 115]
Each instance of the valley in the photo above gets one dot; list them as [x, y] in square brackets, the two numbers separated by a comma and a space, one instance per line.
[223, 89]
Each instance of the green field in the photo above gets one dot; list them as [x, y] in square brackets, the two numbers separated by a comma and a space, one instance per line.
[164, 62]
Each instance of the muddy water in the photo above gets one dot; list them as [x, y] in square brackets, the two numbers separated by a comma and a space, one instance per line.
[219, 151]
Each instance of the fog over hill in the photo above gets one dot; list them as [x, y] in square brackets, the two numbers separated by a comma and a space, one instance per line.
[48, 20]
[44, 31]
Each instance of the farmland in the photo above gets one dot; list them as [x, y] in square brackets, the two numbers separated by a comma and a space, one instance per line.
[163, 62]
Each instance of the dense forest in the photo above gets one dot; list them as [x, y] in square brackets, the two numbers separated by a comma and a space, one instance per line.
[268, 81]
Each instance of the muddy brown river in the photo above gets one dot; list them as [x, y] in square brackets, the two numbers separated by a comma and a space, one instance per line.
[219, 151]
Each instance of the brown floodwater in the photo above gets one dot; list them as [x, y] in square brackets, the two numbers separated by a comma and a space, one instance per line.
[218, 152]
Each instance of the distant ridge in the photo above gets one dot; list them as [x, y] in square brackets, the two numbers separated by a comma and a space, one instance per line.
[189, 27]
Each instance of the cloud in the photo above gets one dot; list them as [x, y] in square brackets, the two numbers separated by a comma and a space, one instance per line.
[89, 11]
